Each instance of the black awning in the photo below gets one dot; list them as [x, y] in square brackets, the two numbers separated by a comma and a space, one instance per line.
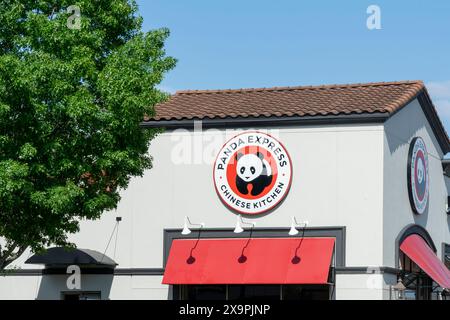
[59, 256]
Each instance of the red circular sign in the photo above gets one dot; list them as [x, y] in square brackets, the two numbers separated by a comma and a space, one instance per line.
[418, 179]
[252, 173]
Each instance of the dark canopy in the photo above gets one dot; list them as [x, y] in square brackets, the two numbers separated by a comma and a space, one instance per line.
[60, 256]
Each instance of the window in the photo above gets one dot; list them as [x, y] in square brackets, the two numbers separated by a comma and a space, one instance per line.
[311, 292]
[74, 296]
[418, 285]
[249, 292]
[446, 254]
[213, 292]
[241, 292]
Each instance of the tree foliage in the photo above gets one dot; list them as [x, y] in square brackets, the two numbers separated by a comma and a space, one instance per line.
[71, 101]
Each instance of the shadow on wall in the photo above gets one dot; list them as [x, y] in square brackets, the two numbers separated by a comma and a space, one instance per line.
[421, 219]
[171, 293]
[448, 222]
[399, 133]
[54, 287]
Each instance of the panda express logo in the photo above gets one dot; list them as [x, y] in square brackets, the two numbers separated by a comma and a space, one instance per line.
[418, 179]
[252, 173]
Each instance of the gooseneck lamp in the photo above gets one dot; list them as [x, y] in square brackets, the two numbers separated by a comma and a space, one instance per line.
[188, 224]
[240, 223]
[294, 225]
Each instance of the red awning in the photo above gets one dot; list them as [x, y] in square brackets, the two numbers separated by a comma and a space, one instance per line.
[258, 261]
[415, 247]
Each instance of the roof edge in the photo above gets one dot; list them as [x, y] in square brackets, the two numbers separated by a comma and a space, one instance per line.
[273, 121]
[433, 118]
[309, 87]
[229, 122]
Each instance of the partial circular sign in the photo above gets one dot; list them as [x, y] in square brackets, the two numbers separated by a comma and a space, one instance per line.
[252, 173]
[418, 176]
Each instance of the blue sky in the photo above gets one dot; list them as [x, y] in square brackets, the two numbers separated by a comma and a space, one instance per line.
[232, 44]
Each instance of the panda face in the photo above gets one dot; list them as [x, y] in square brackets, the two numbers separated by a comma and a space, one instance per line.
[249, 167]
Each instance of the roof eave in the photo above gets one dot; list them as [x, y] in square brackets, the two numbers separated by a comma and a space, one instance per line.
[433, 118]
[242, 122]
[275, 121]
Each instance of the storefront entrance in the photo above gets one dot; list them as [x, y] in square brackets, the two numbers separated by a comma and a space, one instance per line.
[418, 285]
[266, 264]
[423, 275]
[250, 292]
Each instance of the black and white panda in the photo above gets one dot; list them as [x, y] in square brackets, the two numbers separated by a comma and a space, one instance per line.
[252, 169]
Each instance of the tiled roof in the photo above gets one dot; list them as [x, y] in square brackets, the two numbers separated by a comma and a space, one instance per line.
[367, 98]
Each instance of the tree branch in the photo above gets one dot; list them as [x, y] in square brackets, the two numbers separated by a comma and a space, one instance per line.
[8, 256]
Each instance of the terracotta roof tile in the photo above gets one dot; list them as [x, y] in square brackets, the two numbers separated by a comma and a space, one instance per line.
[360, 98]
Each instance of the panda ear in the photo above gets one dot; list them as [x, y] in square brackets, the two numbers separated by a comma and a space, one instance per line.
[238, 156]
[260, 155]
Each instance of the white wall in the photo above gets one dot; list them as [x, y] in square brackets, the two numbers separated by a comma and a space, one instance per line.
[343, 175]
[337, 181]
[364, 286]
[49, 287]
[19, 287]
[399, 131]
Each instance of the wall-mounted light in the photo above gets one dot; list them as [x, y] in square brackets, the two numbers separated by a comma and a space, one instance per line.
[239, 224]
[188, 224]
[399, 289]
[294, 225]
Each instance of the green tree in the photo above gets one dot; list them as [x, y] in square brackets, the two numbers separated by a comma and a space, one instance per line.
[73, 91]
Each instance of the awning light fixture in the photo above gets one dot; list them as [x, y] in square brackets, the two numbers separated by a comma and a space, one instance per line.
[294, 225]
[399, 288]
[239, 224]
[188, 224]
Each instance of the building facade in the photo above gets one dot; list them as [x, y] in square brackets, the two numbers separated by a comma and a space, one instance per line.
[362, 164]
